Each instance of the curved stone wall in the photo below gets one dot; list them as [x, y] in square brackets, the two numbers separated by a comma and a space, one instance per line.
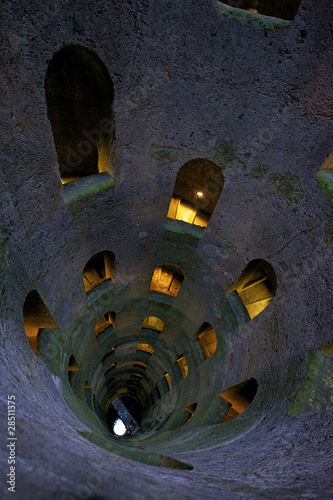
[192, 81]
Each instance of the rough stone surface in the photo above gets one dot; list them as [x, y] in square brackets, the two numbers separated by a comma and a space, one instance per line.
[191, 80]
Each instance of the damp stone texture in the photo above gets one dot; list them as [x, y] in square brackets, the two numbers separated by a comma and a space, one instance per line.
[166, 239]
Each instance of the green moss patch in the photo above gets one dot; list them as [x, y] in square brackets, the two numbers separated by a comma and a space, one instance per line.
[164, 154]
[325, 179]
[288, 186]
[258, 171]
[87, 186]
[316, 391]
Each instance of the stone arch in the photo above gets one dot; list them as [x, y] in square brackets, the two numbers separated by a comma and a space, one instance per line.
[99, 268]
[36, 316]
[74, 374]
[79, 95]
[198, 186]
[283, 9]
[153, 323]
[256, 286]
[107, 320]
[167, 280]
[239, 398]
[207, 339]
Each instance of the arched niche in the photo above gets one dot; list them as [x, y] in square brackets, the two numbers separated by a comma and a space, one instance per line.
[72, 364]
[140, 365]
[207, 339]
[183, 366]
[144, 353]
[282, 9]
[191, 409]
[167, 280]
[239, 398]
[153, 323]
[111, 353]
[79, 95]
[99, 268]
[110, 369]
[73, 372]
[109, 319]
[256, 286]
[36, 316]
[145, 348]
[198, 186]
[167, 379]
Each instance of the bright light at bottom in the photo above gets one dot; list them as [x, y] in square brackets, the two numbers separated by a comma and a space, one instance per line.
[119, 428]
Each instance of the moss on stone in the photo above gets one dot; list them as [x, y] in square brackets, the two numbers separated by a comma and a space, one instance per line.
[258, 171]
[39, 180]
[288, 186]
[178, 228]
[87, 186]
[224, 150]
[163, 154]
[325, 179]
[316, 391]
[258, 21]
[50, 349]
[329, 233]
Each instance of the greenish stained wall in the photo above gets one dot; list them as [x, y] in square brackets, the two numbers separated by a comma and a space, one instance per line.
[316, 391]
[325, 179]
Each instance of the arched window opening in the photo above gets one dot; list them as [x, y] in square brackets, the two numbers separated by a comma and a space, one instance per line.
[99, 268]
[109, 319]
[283, 9]
[157, 392]
[153, 323]
[167, 379]
[198, 186]
[112, 367]
[183, 366]
[140, 364]
[167, 280]
[36, 316]
[136, 376]
[73, 369]
[108, 354]
[207, 339]
[256, 286]
[240, 397]
[145, 348]
[191, 409]
[79, 95]
[72, 365]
